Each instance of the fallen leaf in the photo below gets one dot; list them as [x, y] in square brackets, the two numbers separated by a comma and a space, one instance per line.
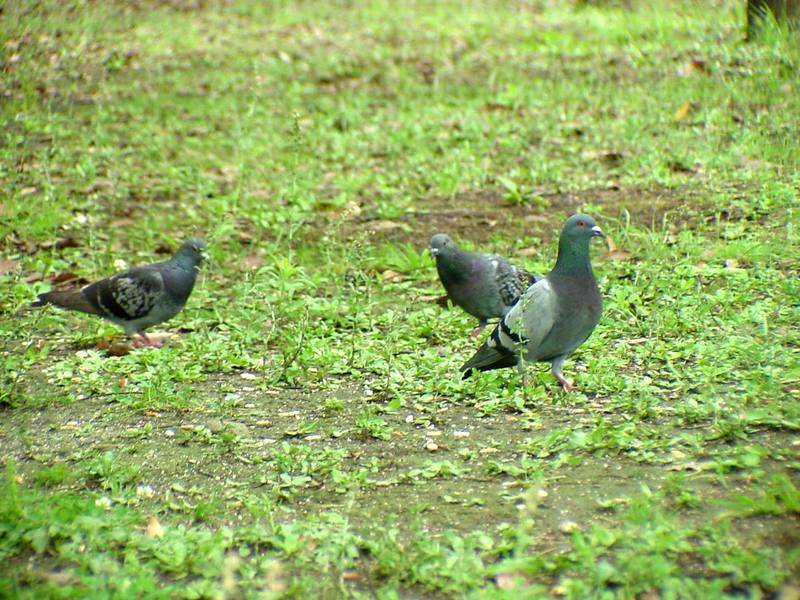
[252, 261]
[118, 349]
[63, 277]
[351, 576]
[8, 266]
[677, 166]
[65, 242]
[683, 110]
[98, 185]
[699, 63]
[440, 300]
[154, 528]
[789, 592]
[390, 275]
[59, 578]
[688, 466]
[383, 225]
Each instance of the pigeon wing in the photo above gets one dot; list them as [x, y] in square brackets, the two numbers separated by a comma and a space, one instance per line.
[131, 294]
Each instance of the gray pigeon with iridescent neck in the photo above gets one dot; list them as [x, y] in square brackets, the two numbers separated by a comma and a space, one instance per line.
[554, 316]
[484, 285]
[139, 297]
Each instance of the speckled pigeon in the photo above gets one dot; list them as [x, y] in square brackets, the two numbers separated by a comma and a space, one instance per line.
[554, 316]
[139, 297]
[484, 285]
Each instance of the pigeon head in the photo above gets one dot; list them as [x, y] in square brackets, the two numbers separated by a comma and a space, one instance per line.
[573, 246]
[191, 253]
[581, 226]
[439, 243]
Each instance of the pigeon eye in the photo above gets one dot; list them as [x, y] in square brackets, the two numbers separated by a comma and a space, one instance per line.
[581, 224]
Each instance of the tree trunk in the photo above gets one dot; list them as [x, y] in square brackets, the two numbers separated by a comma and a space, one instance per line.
[758, 10]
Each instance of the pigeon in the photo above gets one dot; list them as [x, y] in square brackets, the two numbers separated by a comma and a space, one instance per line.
[139, 297]
[484, 285]
[554, 316]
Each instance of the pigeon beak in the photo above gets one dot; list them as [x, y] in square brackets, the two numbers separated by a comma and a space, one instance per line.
[596, 231]
[433, 251]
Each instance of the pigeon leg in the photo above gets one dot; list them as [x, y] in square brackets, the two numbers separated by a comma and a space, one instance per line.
[477, 331]
[566, 383]
[143, 340]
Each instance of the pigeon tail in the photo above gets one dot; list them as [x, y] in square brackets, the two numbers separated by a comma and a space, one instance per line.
[68, 299]
[497, 352]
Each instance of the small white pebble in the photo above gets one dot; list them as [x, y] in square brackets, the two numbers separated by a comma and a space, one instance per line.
[409, 418]
[431, 446]
[145, 491]
[249, 405]
[368, 392]
[169, 433]
[248, 375]
[103, 502]
[567, 526]
[461, 434]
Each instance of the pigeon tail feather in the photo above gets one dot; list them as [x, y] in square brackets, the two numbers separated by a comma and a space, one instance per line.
[67, 299]
[498, 352]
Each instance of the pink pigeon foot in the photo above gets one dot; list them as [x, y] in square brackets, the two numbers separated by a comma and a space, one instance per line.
[477, 331]
[567, 384]
[143, 340]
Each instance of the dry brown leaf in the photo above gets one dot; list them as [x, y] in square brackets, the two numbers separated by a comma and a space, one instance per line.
[351, 576]
[118, 349]
[383, 225]
[59, 243]
[617, 255]
[440, 300]
[8, 266]
[687, 466]
[98, 185]
[252, 261]
[154, 528]
[390, 275]
[56, 577]
[683, 110]
[159, 337]
[64, 277]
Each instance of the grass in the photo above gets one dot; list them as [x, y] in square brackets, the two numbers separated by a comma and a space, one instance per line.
[306, 433]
